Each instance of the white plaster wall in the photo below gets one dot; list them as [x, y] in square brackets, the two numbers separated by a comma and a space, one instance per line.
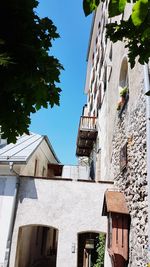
[75, 172]
[71, 207]
[7, 203]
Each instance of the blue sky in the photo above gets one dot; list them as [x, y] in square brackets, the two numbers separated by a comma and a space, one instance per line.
[60, 124]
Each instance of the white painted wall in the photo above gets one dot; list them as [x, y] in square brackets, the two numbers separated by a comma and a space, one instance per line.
[75, 172]
[7, 203]
[70, 206]
[8, 190]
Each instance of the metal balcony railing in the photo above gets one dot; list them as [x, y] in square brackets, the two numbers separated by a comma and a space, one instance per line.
[87, 123]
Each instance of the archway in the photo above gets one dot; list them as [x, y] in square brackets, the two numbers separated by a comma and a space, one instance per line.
[36, 246]
[87, 249]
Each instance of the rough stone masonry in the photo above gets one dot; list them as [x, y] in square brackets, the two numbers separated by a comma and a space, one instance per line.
[130, 128]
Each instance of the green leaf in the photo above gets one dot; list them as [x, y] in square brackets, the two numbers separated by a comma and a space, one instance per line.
[4, 59]
[116, 7]
[45, 105]
[146, 34]
[89, 6]
[100, 251]
[122, 4]
[37, 106]
[139, 12]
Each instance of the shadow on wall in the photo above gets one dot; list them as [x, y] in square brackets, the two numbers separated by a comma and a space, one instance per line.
[92, 170]
[7, 186]
[2, 187]
[27, 189]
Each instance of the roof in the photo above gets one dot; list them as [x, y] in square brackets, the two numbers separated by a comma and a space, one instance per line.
[23, 148]
[114, 201]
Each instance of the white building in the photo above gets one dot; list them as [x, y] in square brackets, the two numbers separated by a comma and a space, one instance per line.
[29, 156]
[47, 210]
[114, 139]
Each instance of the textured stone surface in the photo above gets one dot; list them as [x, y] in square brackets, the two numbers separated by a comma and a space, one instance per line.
[131, 128]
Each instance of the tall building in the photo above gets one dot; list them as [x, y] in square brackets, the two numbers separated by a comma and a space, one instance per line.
[52, 215]
[112, 137]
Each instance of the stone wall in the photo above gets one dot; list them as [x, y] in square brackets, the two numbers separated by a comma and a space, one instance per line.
[130, 128]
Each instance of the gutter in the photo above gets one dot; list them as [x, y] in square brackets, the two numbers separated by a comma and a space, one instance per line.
[13, 216]
[147, 88]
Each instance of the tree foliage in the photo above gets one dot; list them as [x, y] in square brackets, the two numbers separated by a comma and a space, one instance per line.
[28, 74]
[100, 251]
[135, 31]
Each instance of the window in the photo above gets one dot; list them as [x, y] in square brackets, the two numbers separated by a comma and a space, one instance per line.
[91, 104]
[35, 167]
[123, 157]
[105, 78]
[123, 79]
[97, 58]
[110, 53]
[123, 89]
[95, 89]
[93, 75]
[96, 40]
[43, 171]
[93, 58]
[99, 98]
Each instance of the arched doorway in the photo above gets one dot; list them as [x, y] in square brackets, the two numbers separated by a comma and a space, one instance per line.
[87, 249]
[37, 246]
[123, 78]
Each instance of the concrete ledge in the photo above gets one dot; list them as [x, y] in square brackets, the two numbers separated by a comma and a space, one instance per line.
[47, 178]
[86, 181]
[66, 179]
[106, 182]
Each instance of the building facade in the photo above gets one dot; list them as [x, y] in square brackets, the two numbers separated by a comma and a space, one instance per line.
[112, 132]
[29, 156]
[48, 211]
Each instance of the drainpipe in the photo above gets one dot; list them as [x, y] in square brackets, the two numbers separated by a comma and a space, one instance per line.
[13, 216]
[147, 88]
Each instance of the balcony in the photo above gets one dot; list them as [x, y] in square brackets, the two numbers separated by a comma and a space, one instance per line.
[87, 134]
